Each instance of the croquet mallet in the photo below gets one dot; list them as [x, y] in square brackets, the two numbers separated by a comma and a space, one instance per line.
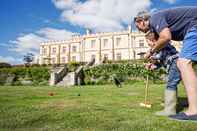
[146, 104]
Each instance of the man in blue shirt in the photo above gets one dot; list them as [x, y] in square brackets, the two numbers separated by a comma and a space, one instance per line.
[178, 24]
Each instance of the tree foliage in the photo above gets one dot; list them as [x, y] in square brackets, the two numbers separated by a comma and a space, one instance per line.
[5, 65]
[28, 58]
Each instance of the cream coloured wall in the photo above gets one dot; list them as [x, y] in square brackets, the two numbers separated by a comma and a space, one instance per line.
[55, 53]
[115, 45]
[91, 48]
[75, 51]
[64, 53]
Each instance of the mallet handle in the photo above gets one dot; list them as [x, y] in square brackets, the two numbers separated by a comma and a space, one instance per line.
[146, 90]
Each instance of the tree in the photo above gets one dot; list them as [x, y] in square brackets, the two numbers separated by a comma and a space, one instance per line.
[28, 58]
[5, 65]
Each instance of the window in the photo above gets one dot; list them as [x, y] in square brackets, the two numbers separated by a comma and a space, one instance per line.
[64, 49]
[74, 48]
[93, 42]
[44, 51]
[105, 42]
[141, 43]
[54, 50]
[63, 59]
[118, 40]
[118, 56]
[53, 60]
[73, 58]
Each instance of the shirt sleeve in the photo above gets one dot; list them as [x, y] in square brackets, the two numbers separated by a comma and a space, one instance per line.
[158, 22]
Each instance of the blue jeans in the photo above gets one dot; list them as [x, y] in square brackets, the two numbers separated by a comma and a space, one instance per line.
[174, 76]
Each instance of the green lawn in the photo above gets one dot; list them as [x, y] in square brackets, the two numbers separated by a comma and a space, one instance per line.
[87, 108]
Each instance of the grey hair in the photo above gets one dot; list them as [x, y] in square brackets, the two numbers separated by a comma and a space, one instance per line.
[142, 15]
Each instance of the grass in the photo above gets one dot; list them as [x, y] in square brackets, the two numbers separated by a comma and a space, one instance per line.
[87, 108]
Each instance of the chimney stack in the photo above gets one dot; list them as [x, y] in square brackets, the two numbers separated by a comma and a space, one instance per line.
[88, 31]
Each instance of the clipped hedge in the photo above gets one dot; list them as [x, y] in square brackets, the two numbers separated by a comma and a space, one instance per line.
[123, 71]
[35, 74]
[5, 65]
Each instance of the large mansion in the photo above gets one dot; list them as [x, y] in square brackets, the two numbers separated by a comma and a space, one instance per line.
[124, 45]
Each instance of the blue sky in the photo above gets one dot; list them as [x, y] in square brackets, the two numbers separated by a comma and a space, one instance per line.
[26, 23]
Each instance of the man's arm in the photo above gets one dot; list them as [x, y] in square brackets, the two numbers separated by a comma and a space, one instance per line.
[164, 38]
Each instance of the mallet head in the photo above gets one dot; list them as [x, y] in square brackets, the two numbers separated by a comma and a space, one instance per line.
[145, 105]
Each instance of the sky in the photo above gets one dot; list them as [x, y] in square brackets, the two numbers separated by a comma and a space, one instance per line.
[24, 24]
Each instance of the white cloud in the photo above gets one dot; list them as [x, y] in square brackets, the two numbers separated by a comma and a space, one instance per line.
[101, 15]
[27, 43]
[65, 4]
[170, 1]
[31, 42]
[55, 34]
[10, 59]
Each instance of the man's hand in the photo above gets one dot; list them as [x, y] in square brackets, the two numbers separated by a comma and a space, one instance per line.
[148, 55]
[153, 60]
[150, 66]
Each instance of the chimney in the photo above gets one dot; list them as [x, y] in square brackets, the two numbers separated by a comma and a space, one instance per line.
[129, 29]
[88, 31]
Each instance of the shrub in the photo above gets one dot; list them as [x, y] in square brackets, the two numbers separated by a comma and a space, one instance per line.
[5, 65]
[123, 71]
[3, 77]
[39, 74]
[34, 74]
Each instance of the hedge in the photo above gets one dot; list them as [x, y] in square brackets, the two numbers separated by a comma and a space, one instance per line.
[100, 74]
[35, 74]
[123, 71]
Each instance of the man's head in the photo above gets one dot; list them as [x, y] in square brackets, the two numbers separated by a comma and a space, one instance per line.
[142, 21]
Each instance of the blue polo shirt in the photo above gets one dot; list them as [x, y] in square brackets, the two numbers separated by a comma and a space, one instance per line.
[179, 20]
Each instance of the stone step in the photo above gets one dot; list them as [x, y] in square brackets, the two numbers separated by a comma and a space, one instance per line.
[61, 83]
[68, 80]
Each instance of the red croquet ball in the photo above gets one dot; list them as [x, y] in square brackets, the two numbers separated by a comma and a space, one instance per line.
[51, 94]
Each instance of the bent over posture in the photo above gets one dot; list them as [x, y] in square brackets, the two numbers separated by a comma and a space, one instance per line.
[178, 24]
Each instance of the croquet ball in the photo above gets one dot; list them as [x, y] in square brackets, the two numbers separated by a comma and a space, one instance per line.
[51, 94]
[79, 94]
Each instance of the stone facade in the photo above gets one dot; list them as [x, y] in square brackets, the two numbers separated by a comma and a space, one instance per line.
[125, 45]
